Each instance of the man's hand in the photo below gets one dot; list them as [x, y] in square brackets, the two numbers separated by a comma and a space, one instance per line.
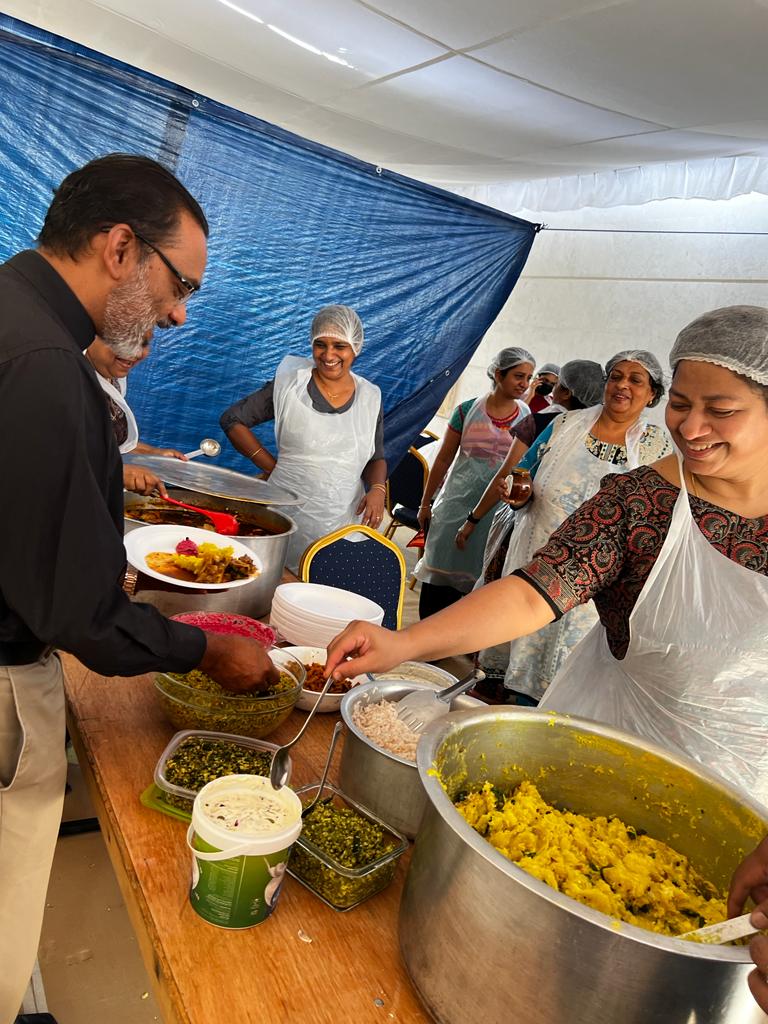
[238, 663]
[372, 649]
[758, 950]
[142, 481]
[749, 879]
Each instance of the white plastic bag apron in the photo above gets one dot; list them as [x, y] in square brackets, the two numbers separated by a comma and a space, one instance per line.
[321, 455]
[695, 676]
[567, 476]
[118, 397]
[482, 451]
[502, 523]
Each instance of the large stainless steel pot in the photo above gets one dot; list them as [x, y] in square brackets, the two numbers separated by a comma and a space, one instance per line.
[253, 599]
[483, 940]
[386, 784]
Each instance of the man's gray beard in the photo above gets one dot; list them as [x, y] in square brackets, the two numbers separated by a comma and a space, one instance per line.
[129, 315]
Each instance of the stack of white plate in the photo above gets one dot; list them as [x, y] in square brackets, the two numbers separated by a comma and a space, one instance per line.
[311, 614]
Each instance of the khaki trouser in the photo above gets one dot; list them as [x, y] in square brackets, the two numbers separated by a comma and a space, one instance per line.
[33, 772]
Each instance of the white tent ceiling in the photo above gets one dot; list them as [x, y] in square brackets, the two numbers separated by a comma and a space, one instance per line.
[462, 91]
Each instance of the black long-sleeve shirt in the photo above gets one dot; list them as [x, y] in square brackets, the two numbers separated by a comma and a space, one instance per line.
[62, 559]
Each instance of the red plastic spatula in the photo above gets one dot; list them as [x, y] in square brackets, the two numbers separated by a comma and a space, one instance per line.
[224, 522]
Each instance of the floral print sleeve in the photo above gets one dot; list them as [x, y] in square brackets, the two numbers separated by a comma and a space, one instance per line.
[607, 548]
[586, 553]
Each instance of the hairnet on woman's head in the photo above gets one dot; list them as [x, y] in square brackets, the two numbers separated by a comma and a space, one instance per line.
[552, 368]
[649, 362]
[735, 337]
[584, 379]
[507, 358]
[338, 322]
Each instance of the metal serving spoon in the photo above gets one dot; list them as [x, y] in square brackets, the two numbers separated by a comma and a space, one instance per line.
[224, 522]
[278, 770]
[420, 707]
[725, 931]
[336, 731]
[208, 446]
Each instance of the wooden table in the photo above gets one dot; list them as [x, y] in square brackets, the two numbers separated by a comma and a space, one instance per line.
[306, 963]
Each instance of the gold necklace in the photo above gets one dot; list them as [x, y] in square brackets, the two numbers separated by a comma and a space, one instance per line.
[329, 394]
[694, 488]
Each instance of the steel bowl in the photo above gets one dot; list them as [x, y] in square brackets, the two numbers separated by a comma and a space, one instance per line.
[385, 783]
[252, 599]
[480, 935]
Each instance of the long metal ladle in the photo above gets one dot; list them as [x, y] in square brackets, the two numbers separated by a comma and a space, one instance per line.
[278, 771]
[336, 731]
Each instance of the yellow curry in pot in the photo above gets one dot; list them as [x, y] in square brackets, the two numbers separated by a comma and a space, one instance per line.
[601, 862]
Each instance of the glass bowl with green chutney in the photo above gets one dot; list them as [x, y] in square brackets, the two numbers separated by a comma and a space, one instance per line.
[195, 701]
[344, 854]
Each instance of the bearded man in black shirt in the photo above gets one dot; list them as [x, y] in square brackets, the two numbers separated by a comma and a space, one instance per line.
[123, 247]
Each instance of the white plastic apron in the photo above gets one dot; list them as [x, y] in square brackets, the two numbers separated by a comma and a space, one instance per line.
[321, 456]
[695, 675]
[482, 451]
[568, 475]
[117, 394]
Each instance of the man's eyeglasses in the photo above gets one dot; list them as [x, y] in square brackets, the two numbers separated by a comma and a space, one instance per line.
[189, 286]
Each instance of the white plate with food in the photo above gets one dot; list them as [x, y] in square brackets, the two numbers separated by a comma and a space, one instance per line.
[191, 558]
[313, 660]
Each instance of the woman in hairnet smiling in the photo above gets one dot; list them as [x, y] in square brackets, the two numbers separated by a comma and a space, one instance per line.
[475, 445]
[675, 556]
[328, 428]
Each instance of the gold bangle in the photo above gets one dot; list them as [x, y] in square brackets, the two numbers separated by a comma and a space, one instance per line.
[256, 451]
[380, 486]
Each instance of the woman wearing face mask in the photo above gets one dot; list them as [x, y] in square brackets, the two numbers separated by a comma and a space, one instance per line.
[111, 372]
[328, 429]
[675, 556]
[539, 395]
[475, 444]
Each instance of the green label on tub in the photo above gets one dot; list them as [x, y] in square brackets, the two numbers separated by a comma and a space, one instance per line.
[238, 892]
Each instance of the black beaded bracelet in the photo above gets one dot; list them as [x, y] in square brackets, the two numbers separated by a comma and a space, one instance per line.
[472, 519]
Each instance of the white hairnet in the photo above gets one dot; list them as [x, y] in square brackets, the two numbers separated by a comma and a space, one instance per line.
[338, 322]
[550, 368]
[584, 379]
[507, 358]
[735, 337]
[649, 362]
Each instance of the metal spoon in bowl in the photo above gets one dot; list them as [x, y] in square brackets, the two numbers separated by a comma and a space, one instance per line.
[278, 770]
[208, 446]
[420, 707]
[224, 522]
[336, 731]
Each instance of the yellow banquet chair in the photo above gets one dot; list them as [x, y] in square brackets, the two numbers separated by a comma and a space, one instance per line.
[373, 567]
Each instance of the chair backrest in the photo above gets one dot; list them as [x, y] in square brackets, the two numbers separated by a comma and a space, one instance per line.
[407, 480]
[373, 567]
[424, 438]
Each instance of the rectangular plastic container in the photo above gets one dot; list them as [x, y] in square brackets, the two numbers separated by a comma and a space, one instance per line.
[340, 887]
[183, 798]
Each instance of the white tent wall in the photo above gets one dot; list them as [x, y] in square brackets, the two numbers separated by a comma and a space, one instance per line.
[601, 280]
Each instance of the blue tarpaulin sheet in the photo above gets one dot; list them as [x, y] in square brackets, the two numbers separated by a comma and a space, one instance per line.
[294, 226]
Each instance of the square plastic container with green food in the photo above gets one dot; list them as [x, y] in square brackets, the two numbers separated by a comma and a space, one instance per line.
[195, 757]
[345, 854]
